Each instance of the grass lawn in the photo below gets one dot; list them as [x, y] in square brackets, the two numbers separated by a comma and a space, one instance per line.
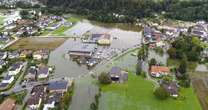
[73, 19]
[60, 31]
[137, 94]
[1, 20]
[176, 63]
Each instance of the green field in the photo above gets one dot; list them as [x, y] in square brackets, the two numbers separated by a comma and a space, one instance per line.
[60, 31]
[137, 94]
[1, 20]
[74, 19]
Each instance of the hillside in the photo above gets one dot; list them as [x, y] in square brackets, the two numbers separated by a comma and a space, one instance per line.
[129, 10]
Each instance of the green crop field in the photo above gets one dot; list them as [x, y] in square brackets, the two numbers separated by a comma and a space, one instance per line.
[137, 94]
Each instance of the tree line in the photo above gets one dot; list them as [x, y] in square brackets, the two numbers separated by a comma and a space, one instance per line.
[105, 10]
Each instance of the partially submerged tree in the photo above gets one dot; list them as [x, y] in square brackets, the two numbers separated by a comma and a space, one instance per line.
[152, 62]
[104, 78]
[161, 93]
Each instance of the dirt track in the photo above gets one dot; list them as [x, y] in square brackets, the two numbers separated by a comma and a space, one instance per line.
[37, 43]
[201, 90]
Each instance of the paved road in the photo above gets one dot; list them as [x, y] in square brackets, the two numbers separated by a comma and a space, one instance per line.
[10, 43]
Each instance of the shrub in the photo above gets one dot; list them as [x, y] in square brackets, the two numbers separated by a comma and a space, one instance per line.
[161, 93]
[104, 78]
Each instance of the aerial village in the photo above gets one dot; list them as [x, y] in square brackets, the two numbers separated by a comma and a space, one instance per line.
[30, 81]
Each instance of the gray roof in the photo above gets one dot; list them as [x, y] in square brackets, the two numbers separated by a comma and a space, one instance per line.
[83, 47]
[115, 70]
[15, 66]
[43, 70]
[58, 85]
[7, 77]
[2, 62]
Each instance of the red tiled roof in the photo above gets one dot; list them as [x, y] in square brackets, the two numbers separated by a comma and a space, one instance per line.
[158, 69]
[8, 104]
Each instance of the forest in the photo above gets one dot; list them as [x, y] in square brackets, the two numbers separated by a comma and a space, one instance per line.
[130, 10]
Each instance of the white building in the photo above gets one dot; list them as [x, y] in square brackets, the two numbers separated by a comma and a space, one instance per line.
[15, 68]
[8, 79]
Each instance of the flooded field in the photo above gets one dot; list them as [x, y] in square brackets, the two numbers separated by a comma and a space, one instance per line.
[37, 43]
[85, 88]
[124, 40]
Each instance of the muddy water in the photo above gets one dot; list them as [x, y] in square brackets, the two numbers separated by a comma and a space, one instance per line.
[85, 89]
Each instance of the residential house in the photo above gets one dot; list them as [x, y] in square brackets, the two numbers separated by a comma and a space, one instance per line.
[118, 75]
[36, 98]
[8, 79]
[152, 35]
[4, 38]
[25, 53]
[31, 73]
[3, 55]
[171, 87]
[8, 104]
[159, 71]
[43, 72]
[3, 85]
[2, 63]
[13, 55]
[200, 30]
[52, 100]
[60, 86]
[82, 50]
[54, 26]
[15, 68]
[101, 39]
[41, 54]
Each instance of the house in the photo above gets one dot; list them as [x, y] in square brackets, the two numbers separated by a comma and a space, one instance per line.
[118, 75]
[36, 98]
[41, 54]
[4, 38]
[2, 63]
[31, 73]
[8, 104]
[151, 35]
[171, 87]
[54, 26]
[42, 72]
[159, 71]
[200, 30]
[13, 55]
[8, 79]
[52, 100]
[3, 55]
[105, 39]
[15, 68]
[101, 39]
[25, 53]
[82, 50]
[60, 86]
[3, 85]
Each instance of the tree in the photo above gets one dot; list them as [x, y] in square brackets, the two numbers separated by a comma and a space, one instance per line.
[104, 78]
[161, 93]
[183, 66]
[172, 52]
[139, 67]
[143, 53]
[152, 62]
[24, 14]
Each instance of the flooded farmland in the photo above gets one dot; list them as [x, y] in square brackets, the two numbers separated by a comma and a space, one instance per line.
[85, 87]
[124, 41]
